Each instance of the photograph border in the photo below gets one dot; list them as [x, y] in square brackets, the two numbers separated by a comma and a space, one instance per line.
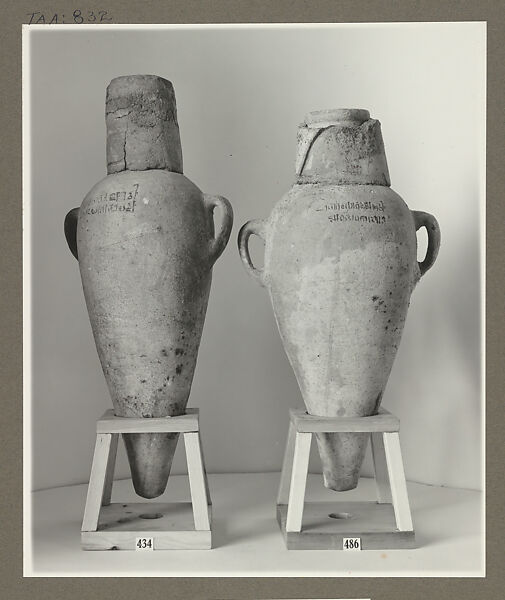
[230, 11]
[30, 227]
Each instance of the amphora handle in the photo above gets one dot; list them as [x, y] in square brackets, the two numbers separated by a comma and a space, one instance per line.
[423, 219]
[256, 227]
[218, 244]
[70, 227]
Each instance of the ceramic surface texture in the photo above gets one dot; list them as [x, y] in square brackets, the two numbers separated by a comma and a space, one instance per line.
[340, 266]
[145, 240]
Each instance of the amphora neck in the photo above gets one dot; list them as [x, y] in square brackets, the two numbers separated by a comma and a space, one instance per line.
[341, 146]
[142, 129]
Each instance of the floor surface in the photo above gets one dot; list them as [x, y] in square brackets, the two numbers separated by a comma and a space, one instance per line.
[247, 540]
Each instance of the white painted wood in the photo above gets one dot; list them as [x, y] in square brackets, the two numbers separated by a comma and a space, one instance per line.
[298, 481]
[383, 421]
[381, 468]
[389, 474]
[109, 472]
[133, 516]
[397, 481]
[101, 481]
[197, 481]
[96, 482]
[163, 540]
[374, 524]
[287, 466]
[109, 423]
[207, 490]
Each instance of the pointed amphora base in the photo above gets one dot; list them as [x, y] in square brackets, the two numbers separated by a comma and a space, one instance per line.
[150, 456]
[342, 455]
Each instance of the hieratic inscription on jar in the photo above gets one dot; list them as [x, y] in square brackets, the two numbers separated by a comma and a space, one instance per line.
[359, 211]
[120, 201]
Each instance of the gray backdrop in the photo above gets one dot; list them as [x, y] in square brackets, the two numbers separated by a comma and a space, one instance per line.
[241, 94]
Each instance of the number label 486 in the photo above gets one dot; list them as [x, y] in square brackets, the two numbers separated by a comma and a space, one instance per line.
[144, 544]
[351, 544]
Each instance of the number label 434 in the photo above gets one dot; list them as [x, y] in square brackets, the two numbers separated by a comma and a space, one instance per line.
[144, 544]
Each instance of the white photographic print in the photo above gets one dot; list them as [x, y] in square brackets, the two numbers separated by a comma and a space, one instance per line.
[328, 422]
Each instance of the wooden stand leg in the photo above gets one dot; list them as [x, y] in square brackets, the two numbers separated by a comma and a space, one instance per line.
[207, 491]
[197, 481]
[287, 467]
[298, 481]
[397, 481]
[109, 474]
[96, 482]
[381, 469]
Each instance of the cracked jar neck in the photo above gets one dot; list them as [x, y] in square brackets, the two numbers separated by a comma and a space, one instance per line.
[142, 128]
[341, 146]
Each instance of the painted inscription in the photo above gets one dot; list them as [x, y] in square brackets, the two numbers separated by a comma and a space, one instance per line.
[359, 211]
[121, 201]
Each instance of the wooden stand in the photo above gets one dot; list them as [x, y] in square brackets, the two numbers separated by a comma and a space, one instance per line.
[118, 526]
[379, 525]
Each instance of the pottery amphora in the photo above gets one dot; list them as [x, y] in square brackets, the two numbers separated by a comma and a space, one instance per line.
[144, 237]
[340, 265]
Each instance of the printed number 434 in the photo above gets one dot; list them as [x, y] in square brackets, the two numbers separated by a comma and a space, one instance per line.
[144, 544]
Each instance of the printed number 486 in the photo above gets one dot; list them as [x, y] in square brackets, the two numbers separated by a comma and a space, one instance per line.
[351, 544]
